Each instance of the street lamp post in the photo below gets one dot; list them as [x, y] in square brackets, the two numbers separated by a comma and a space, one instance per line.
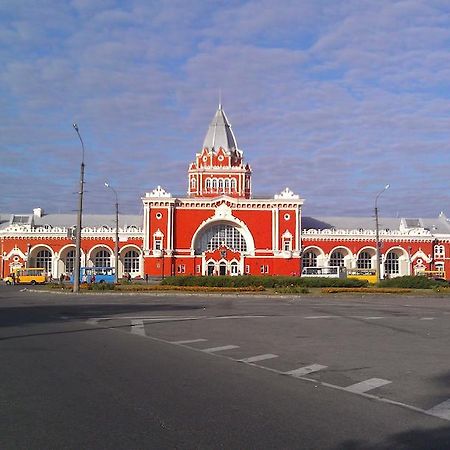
[116, 244]
[76, 276]
[377, 234]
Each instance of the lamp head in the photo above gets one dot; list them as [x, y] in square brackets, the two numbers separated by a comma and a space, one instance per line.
[106, 184]
[387, 186]
[76, 127]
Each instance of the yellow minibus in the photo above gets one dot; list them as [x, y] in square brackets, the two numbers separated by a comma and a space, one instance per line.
[32, 275]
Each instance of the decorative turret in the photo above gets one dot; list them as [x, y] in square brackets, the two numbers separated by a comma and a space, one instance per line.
[219, 168]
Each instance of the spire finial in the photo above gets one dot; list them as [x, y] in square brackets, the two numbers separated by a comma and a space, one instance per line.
[220, 98]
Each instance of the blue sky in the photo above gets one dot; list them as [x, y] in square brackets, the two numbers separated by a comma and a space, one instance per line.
[331, 98]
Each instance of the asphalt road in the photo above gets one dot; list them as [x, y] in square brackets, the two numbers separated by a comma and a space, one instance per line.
[191, 372]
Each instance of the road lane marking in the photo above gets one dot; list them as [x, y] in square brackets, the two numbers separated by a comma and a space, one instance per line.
[300, 372]
[427, 318]
[367, 385]
[137, 327]
[442, 410]
[93, 321]
[320, 317]
[258, 358]
[189, 341]
[219, 349]
[368, 317]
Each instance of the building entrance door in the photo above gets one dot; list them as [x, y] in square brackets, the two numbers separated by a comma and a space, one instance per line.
[210, 269]
[222, 269]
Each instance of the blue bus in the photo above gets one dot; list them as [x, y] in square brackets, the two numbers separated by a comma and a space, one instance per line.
[96, 275]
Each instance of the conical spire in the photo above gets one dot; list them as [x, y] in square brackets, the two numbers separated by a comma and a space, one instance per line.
[220, 134]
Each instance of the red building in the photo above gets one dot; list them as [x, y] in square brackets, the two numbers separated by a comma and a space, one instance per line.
[220, 229]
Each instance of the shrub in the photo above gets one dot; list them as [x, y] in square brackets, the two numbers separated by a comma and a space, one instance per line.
[101, 287]
[293, 290]
[412, 282]
[369, 290]
[265, 281]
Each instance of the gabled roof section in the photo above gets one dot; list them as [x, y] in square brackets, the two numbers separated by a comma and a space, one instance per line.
[220, 134]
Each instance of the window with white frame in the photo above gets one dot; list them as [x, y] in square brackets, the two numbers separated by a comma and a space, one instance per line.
[439, 251]
[391, 265]
[44, 259]
[131, 261]
[102, 259]
[70, 261]
[439, 266]
[287, 243]
[181, 268]
[221, 235]
[309, 259]
[264, 269]
[208, 184]
[247, 268]
[364, 261]
[337, 259]
[198, 268]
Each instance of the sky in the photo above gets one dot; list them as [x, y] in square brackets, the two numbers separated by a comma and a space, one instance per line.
[333, 99]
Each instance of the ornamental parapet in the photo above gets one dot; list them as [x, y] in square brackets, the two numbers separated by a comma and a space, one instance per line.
[131, 231]
[328, 232]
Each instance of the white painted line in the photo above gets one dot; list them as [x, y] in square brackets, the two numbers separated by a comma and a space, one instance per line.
[258, 358]
[236, 317]
[189, 341]
[137, 327]
[372, 318]
[92, 321]
[426, 318]
[367, 385]
[319, 317]
[442, 410]
[305, 370]
[219, 349]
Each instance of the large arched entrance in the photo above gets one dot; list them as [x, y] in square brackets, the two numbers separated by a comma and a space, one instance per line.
[222, 246]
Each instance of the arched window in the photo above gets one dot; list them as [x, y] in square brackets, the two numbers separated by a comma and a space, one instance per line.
[234, 268]
[214, 184]
[102, 259]
[220, 184]
[221, 235]
[131, 261]
[44, 259]
[193, 182]
[233, 184]
[391, 265]
[364, 261]
[70, 261]
[309, 259]
[208, 184]
[226, 185]
[337, 259]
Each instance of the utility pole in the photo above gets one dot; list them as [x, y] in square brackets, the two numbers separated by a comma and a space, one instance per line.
[77, 265]
[377, 234]
[116, 244]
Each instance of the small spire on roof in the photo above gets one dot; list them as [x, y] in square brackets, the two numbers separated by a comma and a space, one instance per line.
[220, 99]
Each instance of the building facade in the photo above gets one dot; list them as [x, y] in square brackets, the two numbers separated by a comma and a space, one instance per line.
[219, 228]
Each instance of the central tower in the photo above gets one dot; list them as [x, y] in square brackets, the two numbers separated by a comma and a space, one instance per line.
[219, 168]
